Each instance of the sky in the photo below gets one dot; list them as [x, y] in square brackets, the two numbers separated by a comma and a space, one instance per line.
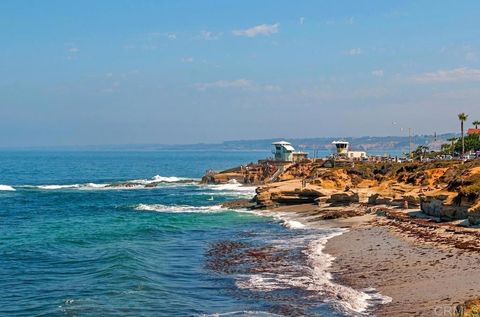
[180, 72]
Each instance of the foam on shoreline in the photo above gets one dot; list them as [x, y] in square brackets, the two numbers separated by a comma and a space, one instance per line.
[314, 275]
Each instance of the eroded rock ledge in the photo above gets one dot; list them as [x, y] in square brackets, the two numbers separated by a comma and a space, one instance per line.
[447, 190]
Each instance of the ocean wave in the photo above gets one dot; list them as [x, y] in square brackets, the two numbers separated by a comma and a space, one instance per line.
[294, 224]
[6, 188]
[164, 179]
[179, 208]
[233, 186]
[344, 297]
[153, 182]
[314, 275]
[56, 187]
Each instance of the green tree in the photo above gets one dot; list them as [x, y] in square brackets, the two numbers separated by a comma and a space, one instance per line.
[476, 123]
[472, 143]
[453, 140]
[420, 152]
[462, 117]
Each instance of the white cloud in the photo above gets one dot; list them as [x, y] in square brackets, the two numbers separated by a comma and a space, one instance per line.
[112, 88]
[457, 74]
[262, 29]
[237, 83]
[187, 60]
[470, 53]
[301, 20]
[208, 35]
[271, 88]
[378, 73]
[172, 36]
[350, 21]
[353, 51]
[72, 51]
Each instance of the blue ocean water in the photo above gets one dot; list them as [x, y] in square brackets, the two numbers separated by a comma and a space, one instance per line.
[133, 234]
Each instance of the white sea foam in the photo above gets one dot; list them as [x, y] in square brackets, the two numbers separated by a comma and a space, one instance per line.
[230, 194]
[179, 208]
[163, 179]
[233, 185]
[315, 274]
[129, 184]
[58, 186]
[294, 224]
[6, 188]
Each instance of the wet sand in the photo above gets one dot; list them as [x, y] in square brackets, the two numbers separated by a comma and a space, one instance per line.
[426, 268]
[422, 279]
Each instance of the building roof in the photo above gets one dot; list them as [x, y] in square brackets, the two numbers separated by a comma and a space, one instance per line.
[286, 145]
[281, 143]
[473, 131]
[339, 142]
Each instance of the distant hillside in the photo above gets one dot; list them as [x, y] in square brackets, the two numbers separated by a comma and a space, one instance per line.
[366, 143]
[391, 144]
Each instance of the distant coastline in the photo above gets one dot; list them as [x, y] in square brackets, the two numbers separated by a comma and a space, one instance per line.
[373, 144]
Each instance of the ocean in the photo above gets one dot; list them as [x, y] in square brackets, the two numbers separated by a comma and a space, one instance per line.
[92, 233]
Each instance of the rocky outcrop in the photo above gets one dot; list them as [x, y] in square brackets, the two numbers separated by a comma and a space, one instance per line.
[377, 199]
[272, 196]
[447, 190]
[439, 206]
[404, 200]
[412, 200]
[251, 174]
[474, 214]
[344, 198]
[223, 178]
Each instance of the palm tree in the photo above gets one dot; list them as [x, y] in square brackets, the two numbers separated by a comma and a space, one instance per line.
[476, 123]
[462, 117]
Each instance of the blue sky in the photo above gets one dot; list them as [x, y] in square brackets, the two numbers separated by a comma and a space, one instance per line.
[123, 72]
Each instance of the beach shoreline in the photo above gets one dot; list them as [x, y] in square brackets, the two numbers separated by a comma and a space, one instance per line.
[412, 228]
[421, 278]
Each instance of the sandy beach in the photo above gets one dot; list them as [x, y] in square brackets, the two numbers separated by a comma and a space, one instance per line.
[422, 276]
[422, 279]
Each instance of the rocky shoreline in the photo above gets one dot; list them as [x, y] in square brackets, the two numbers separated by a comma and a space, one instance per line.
[413, 227]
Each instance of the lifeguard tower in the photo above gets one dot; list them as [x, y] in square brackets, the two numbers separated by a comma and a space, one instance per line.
[283, 151]
[343, 150]
[342, 147]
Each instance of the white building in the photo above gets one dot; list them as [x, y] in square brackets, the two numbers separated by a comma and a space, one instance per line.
[342, 147]
[343, 150]
[284, 152]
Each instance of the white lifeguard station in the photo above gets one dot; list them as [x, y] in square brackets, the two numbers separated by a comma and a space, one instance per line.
[343, 150]
[342, 147]
[283, 151]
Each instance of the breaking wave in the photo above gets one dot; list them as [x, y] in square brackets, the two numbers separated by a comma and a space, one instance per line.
[312, 273]
[233, 185]
[153, 182]
[6, 188]
[179, 208]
